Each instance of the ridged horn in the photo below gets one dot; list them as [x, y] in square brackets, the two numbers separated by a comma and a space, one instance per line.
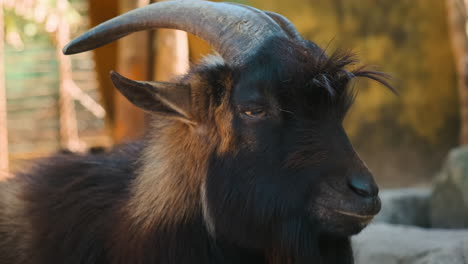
[283, 22]
[233, 31]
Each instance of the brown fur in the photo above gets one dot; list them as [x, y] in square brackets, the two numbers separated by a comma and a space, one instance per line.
[169, 181]
[224, 122]
[173, 167]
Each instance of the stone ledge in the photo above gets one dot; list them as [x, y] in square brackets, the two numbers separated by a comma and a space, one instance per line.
[395, 244]
[406, 206]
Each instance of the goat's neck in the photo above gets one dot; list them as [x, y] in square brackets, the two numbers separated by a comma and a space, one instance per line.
[167, 187]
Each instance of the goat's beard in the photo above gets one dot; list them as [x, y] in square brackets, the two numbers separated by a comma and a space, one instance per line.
[298, 237]
[297, 240]
[310, 244]
[292, 239]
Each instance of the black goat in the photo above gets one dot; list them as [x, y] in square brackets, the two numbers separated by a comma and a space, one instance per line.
[246, 161]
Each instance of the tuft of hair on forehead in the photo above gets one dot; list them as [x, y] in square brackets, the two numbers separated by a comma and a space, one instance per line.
[336, 67]
[331, 80]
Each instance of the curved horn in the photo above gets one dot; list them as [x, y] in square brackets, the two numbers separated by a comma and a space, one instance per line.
[233, 31]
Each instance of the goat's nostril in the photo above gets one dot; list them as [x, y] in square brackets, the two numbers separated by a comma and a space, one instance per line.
[363, 187]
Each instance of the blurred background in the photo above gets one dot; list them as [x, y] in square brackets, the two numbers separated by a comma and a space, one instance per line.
[51, 102]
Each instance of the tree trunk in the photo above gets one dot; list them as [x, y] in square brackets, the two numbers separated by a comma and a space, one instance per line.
[106, 56]
[3, 102]
[457, 16]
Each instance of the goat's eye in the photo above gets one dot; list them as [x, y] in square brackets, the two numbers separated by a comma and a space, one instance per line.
[255, 113]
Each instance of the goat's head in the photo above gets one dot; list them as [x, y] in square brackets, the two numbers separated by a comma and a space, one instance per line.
[282, 166]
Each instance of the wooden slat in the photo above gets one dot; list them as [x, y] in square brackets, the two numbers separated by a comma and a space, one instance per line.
[457, 17]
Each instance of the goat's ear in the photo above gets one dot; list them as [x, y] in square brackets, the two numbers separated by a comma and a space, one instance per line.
[166, 98]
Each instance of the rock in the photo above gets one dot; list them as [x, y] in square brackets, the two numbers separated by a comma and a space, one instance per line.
[449, 201]
[394, 244]
[409, 206]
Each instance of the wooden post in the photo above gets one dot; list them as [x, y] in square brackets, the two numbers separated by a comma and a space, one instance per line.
[133, 62]
[68, 124]
[457, 16]
[172, 54]
[3, 102]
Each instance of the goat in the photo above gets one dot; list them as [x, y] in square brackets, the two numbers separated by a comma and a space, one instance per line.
[246, 160]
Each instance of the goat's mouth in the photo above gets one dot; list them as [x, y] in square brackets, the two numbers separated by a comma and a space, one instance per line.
[358, 216]
[359, 220]
[348, 213]
[345, 219]
[358, 209]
